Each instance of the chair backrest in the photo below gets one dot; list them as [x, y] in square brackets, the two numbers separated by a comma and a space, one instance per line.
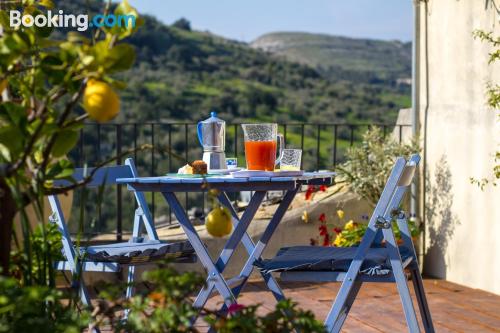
[101, 177]
[396, 186]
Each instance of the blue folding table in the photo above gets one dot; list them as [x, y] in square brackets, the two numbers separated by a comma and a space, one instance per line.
[231, 288]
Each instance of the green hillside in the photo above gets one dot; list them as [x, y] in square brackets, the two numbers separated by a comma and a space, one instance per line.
[383, 60]
[181, 74]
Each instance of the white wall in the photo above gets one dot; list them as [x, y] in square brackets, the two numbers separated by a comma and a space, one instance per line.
[461, 136]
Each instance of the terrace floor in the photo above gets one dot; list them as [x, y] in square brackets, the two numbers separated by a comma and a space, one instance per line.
[378, 309]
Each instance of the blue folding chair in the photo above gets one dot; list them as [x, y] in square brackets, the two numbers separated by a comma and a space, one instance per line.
[372, 261]
[113, 257]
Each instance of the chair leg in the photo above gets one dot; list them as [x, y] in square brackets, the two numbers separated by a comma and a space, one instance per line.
[425, 313]
[339, 304]
[401, 282]
[350, 279]
[273, 286]
[85, 298]
[337, 326]
[84, 294]
[404, 293]
[77, 276]
[130, 289]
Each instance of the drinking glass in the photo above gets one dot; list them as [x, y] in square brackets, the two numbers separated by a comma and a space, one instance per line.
[290, 159]
[260, 146]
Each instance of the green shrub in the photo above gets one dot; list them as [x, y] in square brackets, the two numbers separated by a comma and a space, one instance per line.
[285, 318]
[46, 247]
[37, 309]
[369, 164]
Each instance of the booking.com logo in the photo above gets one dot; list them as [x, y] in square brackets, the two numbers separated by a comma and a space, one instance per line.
[61, 20]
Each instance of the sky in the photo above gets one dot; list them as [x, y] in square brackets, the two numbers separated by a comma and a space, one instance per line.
[245, 20]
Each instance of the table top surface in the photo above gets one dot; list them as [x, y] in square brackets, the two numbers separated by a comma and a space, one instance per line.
[227, 182]
[225, 179]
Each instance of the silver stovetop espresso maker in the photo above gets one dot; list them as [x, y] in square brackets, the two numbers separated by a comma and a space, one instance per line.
[212, 136]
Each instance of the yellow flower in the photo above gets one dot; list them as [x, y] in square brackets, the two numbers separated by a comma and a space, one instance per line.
[339, 240]
[340, 213]
[305, 217]
[350, 225]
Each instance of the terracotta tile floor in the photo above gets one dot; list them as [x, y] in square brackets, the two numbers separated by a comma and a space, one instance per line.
[378, 309]
[454, 308]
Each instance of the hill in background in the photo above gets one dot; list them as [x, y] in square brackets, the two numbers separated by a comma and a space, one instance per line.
[181, 74]
[332, 55]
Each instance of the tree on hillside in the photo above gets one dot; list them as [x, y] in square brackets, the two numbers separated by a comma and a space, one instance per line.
[183, 24]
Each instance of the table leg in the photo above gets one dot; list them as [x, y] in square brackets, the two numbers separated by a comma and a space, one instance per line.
[259, 248]
[200, 249]
[246, 240]
[236, 237]
[250, 246]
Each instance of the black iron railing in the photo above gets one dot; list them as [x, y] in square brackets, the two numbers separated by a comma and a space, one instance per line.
[175, 144]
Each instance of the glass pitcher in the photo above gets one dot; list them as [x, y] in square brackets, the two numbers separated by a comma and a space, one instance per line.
[261, 145]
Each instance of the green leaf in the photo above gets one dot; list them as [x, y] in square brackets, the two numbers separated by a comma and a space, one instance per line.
[118, 58]
[44, 31]
[75, 126]
[22, 38]
[47, 4]
[11, 138]
[100, 52]
[13, 114]
[4, 19]
[121, 57]
[60, 169]
[75, 37]
[65, 141]
[53, 68]
[87, 60]
[5, 153]
[126, 15]
[65, 173]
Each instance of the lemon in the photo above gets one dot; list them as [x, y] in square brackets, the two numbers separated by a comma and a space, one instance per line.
[100, 101]
[3, 85]
[218, 222]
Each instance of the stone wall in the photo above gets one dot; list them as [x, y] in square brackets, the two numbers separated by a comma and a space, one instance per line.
[461, 134]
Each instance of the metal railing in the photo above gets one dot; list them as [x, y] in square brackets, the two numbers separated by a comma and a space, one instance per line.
[175, 144]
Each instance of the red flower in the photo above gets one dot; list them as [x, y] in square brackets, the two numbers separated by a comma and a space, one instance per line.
[309, 192]
[323, 188]
[337, 230]
[326, 240]
[234, 308]
[323, 230]
[322, 217]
